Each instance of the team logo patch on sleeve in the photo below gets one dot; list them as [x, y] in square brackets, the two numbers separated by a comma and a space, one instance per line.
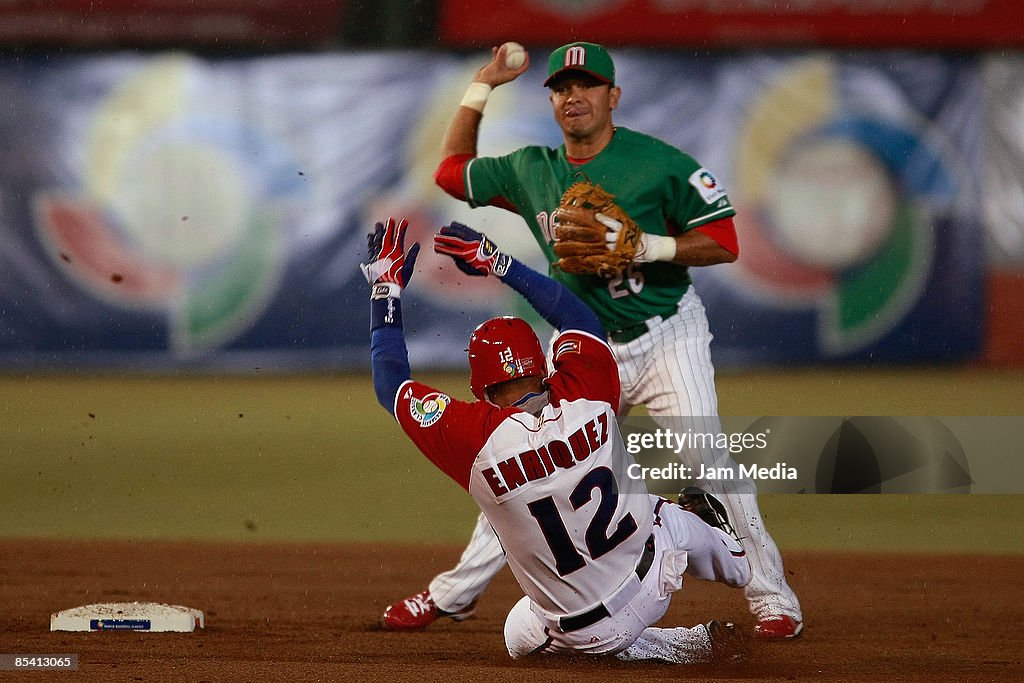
[428, 410]
[707, 185]
[566, 346]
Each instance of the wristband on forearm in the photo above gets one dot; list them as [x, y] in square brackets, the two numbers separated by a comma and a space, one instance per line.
[385, 306]
[657, 248]
[476, 96]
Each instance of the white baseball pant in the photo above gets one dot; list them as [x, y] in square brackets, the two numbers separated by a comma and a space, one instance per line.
[683, 544]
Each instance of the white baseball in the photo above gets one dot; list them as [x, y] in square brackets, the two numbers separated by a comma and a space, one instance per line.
[515, 55]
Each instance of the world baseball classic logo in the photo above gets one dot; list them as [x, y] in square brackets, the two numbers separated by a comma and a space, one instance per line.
[428, 410]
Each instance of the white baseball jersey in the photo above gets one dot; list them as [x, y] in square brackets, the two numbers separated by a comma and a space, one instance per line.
[553, 487]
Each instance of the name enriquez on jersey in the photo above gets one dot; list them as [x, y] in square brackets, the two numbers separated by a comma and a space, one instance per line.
[547, 459]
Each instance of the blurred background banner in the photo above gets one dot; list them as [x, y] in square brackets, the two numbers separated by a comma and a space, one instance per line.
[173, 210]
[168, 210]
[859, 209]
[268, 24]
[1004, 207]
[735, 24]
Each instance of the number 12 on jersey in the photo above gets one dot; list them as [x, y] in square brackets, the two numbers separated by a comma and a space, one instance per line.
[567, 558]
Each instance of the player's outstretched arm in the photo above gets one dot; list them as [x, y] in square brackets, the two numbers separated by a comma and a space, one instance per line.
[475, 254]
[388, 270]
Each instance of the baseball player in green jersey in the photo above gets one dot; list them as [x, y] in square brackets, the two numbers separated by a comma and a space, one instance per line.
[656, 323]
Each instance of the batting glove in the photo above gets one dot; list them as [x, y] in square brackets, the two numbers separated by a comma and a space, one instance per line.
[472, 252]
[390, 267]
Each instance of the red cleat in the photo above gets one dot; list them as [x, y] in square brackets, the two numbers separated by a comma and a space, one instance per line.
[778, 627]
[418, 612]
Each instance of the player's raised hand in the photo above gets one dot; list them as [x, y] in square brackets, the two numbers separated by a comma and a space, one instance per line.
[508, 62]
[472, 251]
[388, 264]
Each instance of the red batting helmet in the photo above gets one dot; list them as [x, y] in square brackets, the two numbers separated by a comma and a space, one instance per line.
[503, 349]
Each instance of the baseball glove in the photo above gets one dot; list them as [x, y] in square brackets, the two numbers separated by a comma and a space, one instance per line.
[593, 235]
[708, 508]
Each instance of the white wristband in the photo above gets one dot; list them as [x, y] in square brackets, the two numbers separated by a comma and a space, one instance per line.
[656, 248]
[476, 96]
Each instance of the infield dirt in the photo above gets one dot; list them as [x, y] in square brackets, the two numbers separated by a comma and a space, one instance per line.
[309, 612]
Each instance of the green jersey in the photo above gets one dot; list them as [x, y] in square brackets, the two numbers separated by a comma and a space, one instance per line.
[663, 189]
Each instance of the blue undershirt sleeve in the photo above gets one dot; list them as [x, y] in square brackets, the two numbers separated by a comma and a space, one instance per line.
[389, 357]
[552, 300]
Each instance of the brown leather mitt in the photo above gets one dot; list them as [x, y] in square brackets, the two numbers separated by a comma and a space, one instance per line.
[593, 235]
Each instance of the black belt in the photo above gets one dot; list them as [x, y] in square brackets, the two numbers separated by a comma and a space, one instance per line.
[624, 335]
[628, 334]
[592, 616]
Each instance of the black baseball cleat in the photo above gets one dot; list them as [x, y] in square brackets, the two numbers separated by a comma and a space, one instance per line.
[707, 507]
[728, 643]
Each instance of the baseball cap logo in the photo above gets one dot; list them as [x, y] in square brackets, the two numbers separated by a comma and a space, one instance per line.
[589, 58]
[576, 56]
